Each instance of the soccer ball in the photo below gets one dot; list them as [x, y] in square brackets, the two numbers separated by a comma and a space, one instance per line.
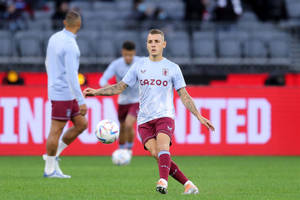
[121, 157]
[107, 131]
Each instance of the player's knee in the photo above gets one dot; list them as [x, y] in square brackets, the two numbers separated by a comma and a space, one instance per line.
[52, 143]
[128, 127]
[82, 126]
[55, 132]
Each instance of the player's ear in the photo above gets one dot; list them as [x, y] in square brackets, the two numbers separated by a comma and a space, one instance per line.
[65, 23]
[164, 43]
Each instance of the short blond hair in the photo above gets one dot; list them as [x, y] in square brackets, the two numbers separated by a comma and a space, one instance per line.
[71, 17]
[157, 31]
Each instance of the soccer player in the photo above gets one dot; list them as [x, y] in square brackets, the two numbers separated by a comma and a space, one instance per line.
[129, 98]
[157, 76]
[62, 63]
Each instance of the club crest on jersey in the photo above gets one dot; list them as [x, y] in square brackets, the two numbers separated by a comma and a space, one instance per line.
[68, 112]
[165, 71]
[143, 71]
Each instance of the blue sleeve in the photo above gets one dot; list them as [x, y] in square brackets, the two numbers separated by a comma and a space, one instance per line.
[72, 65]
[108, 74]
[131, 76]
[177, 79]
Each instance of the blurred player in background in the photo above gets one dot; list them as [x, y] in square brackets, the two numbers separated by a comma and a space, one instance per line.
[128, 101]
[157, 76]
[62, 64]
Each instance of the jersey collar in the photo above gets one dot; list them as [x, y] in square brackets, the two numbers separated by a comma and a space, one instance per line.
[69, 33]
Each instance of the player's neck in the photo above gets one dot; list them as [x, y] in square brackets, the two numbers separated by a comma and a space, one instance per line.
[156, 58]
[72, 30]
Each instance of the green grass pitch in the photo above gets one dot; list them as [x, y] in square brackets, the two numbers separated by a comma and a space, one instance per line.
[228, 178]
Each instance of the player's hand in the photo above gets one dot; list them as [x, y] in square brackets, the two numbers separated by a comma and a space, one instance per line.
[89, 92]
[83, 109]
[207, 123]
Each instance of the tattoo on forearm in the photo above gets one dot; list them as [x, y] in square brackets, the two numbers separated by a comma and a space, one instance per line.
[112, 90]
[188, 101]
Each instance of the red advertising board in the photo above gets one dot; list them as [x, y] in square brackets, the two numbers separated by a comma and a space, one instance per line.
[248, 121]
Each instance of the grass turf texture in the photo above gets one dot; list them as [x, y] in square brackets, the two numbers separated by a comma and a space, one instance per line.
[235, 178]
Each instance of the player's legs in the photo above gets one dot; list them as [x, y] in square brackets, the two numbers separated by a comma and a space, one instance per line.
[62, 111]
[151, 146]
[122, 112]
[163, 155]
[122, 136]
[129, 130]
[169, 167]
[165, 128]
[79, 125]
[175, 172]
[127, 117]
[56, 129]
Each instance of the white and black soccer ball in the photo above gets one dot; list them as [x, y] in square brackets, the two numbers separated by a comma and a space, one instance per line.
[107, 131]
[121, 157]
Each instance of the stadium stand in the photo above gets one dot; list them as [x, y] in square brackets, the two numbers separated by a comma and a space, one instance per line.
[204, 46]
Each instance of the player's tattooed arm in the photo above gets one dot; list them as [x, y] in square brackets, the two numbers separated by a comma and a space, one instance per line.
[107, 91]
[190, 105]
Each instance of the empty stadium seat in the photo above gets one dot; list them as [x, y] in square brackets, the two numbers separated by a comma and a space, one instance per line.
[230, 43]
[5, 34]
[82, 5]
[29, 43]
[45, 38]
[6, 47]
[124, 5]
[88, 24]
[248, 17]
[100, 6]
[293, 7]
[40, 24]
[85, 40]
[255, 49]
[104, 48]
[6, 44]
[29, 47]
[277, 41]
[235, 35]
[42, 15]
[230, 48]
[279, 49]
[121, 36]
[204, 45]
[178, 44]
[269, 36]
[180, 48]
[106, 35]
[92, 35]
[108, 15]
[85, 47]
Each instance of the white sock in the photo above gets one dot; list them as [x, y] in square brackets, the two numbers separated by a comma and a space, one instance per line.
[164, 180]
[188, 182]
[61, 147]
[50, 164]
